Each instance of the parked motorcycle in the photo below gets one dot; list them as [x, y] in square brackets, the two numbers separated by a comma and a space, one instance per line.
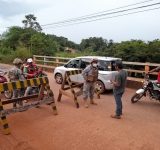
[8, 94]
[152, 89]
[34, 89]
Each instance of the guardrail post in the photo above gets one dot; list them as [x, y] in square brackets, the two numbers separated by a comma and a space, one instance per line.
[45, 60]
[34, 58]
[147, 67]
[57, 62]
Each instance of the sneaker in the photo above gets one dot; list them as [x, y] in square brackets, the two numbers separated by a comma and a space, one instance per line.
[120, 113]
[115, 116]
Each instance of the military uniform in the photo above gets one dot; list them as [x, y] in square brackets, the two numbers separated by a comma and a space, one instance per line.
[90, 75]
[15, 74]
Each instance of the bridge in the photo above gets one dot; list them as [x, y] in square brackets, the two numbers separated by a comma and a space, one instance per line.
[81, 128]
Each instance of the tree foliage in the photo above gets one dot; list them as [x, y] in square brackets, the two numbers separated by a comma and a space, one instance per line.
[30, 22]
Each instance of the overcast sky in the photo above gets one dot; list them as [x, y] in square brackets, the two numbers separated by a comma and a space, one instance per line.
[143, 25]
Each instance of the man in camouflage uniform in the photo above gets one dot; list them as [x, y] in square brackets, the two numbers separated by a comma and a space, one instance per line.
[90, 75]
[15, 74]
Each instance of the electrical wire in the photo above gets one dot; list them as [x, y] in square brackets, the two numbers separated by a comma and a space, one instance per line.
[93, 15]
[104, 18]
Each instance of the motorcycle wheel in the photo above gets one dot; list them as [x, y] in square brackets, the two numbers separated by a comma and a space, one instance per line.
[8, 94]
[136, 97]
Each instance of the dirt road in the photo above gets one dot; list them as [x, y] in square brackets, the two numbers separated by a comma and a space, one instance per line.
[82, 128]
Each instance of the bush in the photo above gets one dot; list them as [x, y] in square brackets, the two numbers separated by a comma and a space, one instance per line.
[19, 53]
[6, 50]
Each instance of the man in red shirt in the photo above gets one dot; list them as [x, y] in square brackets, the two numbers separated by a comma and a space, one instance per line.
[30, 71]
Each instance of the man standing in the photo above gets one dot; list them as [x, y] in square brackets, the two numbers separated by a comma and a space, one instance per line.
[15, 74]
[118, 87]
[30, 71]
[90, 75]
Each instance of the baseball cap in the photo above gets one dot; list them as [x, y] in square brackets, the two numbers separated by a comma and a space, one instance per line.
[29, 60]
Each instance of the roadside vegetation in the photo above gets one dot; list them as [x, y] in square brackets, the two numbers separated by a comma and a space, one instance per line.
[29, 40]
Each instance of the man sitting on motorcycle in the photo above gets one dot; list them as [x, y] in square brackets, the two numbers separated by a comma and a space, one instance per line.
[156, 81]
[15, 74]
[30, 72]
[156, 70]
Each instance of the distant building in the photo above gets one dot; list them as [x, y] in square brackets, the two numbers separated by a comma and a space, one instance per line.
[71, 50]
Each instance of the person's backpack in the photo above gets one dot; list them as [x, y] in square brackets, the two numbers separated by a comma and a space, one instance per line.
[12, 75]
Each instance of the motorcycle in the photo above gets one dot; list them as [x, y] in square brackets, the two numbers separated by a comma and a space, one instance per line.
[152, 89]
[8, 94]
[34, 89]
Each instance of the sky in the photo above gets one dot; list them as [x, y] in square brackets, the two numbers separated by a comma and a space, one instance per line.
[143, 26]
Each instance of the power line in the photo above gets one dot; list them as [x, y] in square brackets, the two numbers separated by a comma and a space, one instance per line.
[85, 17]
[103, 18]
[111, 13]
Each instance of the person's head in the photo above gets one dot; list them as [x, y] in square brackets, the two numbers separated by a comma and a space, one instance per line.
[118, 65]
[40, 69]
[25, 60]
[30, 61]
[17, 62]
[94, 62]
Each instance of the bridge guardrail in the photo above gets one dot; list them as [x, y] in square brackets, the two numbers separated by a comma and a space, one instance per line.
[57, 61]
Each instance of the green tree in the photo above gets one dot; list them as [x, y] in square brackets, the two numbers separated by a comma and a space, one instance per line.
[30, 22]
[11, 37]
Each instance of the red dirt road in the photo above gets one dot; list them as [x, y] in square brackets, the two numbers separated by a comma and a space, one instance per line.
[82, 128]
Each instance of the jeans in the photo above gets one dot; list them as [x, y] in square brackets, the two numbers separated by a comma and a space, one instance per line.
[29, 88]
[118, 96]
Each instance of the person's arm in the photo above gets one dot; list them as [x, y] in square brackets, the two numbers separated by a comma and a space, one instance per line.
[85, 72]
[20, 75]
[154, 70]
[25, 70]
[114, 83]
[117, 82]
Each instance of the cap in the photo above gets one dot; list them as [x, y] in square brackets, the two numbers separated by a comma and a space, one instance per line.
[17, 61]
[29, 60]
[94, 60]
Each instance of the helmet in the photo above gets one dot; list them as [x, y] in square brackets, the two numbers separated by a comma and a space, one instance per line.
[29, 60]
[17, 61]
[94, 60]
